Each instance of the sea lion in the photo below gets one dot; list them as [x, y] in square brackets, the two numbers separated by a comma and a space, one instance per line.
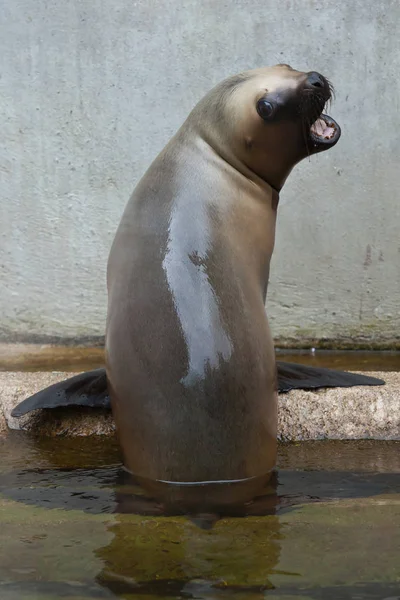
[190, 362]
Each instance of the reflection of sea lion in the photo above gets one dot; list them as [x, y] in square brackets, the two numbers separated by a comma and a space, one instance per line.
[190, 360]
[172, 558]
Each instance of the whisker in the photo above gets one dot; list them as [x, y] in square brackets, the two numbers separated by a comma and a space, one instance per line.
[310, 108]
[305, 105]
[306, 138]
[331, 89]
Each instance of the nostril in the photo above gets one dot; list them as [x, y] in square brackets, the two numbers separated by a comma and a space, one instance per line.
[315, 80]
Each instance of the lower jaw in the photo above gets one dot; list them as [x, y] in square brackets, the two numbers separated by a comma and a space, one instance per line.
[321, 142]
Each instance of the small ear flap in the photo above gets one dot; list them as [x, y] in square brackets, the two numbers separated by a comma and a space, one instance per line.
[265, 109]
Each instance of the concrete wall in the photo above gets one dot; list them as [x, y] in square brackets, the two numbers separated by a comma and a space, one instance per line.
[92, 89]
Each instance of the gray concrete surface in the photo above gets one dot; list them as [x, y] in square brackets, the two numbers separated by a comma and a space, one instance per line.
[91, 91]
[340, 413]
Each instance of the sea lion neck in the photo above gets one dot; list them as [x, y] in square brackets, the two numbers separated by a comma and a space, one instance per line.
[232, 149]
[275, 198]
[216, 146]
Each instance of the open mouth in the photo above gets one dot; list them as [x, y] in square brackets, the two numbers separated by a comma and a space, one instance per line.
[324, 131]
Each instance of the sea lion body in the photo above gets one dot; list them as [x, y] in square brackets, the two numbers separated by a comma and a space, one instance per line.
[189, 356]
[190, 363]
[190, 359]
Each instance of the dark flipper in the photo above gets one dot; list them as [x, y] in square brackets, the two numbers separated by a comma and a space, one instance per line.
[90, 388]
[85, 389]
[294, 376]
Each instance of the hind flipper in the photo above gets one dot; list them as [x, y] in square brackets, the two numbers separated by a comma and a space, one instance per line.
[85, 389]
[90, 388]
[295, 376]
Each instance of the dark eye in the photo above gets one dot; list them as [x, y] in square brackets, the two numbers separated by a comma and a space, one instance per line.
[265, 109]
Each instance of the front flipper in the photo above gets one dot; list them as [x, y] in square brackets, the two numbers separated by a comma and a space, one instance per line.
[85, 389]
[295, 376]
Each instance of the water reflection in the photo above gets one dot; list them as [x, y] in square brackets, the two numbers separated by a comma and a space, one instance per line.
[86, 474]
[75, 525]
[173, 555]
[77, 359]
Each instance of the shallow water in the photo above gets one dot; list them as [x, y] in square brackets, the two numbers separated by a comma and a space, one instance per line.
[329, 531]
[62, 358]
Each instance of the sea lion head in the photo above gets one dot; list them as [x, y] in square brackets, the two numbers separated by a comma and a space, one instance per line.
[268, 120]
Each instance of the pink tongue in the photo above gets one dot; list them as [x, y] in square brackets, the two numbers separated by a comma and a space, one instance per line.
[321, 129]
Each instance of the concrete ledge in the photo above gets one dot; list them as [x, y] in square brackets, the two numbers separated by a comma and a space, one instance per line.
[339, 413]
[343, 413]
